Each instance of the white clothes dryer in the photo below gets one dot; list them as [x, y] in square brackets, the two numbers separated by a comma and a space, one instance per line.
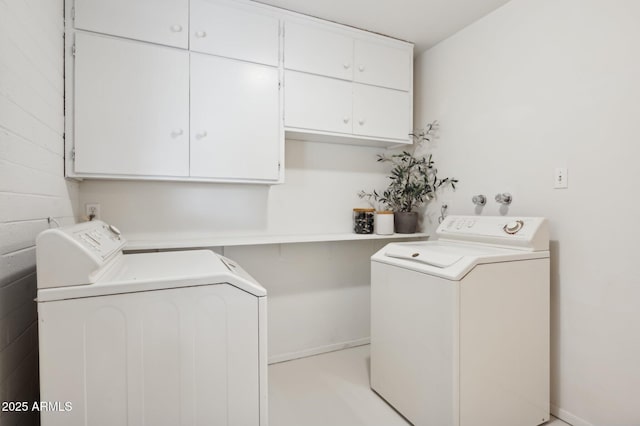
[460, 325]
[162, 339]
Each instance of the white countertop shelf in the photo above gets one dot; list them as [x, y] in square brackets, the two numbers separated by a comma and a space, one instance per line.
[252, 240]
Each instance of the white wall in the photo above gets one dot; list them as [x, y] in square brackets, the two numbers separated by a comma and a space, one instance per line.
[322, 181]
[318, 293]
[540, 84]
[32, 186]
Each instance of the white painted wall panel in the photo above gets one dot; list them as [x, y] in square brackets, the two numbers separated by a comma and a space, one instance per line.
[16, 294]
[13, 86]
[33, 51]
[18, 235]
[17, 321]
[32, 186]
[23, 123]
[23, 152]
[17, 264]
[15, 353]
[318, 293]
[17, 63]
[28, 180]
[19, 23]
[16, 207]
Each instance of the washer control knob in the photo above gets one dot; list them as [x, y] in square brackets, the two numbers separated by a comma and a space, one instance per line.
[114, 230]
[513, 227]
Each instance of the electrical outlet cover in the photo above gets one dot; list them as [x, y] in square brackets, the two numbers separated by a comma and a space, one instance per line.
[92, 210]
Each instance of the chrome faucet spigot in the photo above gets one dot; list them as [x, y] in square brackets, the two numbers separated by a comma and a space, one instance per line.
[504, 198]
[479, 200]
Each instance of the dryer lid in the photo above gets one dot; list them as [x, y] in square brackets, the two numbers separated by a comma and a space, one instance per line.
[139, 272]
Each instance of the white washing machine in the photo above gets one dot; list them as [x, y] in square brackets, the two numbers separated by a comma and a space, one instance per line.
[164, 338]
[460, 326]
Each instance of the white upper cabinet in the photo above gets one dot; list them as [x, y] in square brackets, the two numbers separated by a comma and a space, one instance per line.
[381, 112]
[235, 119]
[382, 65]
[317, 103]
[346, 84]
[157, 21]
[342, 107]
[312, 48]
[234, 30]
[204, 90]
[131, 108]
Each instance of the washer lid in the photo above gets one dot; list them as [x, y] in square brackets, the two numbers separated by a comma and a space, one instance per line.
[158, 271]
[447, 259]
[427, 254]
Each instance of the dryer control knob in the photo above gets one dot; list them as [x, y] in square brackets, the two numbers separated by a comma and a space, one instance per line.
[513, 227]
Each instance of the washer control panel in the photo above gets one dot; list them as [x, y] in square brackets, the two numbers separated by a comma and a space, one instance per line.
[529, 233]
[101, 240]
[76, 254]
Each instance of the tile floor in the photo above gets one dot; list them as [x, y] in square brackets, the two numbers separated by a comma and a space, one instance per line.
[331, 389]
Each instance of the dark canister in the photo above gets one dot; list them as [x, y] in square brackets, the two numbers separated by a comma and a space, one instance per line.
[363, 221]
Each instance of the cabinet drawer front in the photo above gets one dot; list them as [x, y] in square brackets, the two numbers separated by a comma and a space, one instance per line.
[131, 103]
[234, 30]
[379, 112]
[383, 65]
[235, 119]
[164, 22]
[312, 48]
[317, 103]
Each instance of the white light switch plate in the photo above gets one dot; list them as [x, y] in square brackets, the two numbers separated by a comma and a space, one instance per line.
[560, 178]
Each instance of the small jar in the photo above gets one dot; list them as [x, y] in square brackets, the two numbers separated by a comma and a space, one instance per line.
[384, 222]
[363, 221]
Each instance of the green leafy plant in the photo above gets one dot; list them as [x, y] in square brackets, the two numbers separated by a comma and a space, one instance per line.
[413, 178]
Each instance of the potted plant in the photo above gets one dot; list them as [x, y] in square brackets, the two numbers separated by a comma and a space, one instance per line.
[413, 182]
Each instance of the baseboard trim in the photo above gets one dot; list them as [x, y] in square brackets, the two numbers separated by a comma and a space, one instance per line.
[318, 350]
[568, 417]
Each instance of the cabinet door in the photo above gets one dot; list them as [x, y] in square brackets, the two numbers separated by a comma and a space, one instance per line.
[234, 30]
[164, 22]
[131, 108]
[318, 50]
[380, 112]
[317, 103]
[383, 65]
[235, 119]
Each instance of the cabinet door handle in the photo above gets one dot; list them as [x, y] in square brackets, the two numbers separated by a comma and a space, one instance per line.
[361, 121]
[201, 135]
[346, 65]
[201, 34]
[177, 132]
[361, 68]
[345, 119]
[176, 28]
